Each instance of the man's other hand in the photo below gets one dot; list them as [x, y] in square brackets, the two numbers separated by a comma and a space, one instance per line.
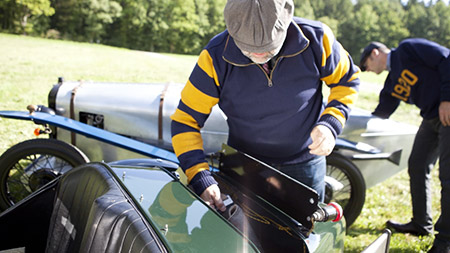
[444, 113]
[211, 196]
[323, 141]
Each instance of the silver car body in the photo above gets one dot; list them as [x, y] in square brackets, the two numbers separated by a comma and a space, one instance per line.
[142, 112]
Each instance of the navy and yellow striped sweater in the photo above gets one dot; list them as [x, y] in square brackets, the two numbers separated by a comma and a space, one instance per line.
[270, 116]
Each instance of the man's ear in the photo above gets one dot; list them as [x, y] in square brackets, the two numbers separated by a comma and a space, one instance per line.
[375, 52]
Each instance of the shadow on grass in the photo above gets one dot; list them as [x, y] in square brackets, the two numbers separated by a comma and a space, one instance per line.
[357, 231]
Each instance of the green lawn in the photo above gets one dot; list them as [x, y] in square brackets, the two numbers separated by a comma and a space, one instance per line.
[30, 66]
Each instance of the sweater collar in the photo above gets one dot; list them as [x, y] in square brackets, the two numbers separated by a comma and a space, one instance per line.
[295, 43]
[388, 62]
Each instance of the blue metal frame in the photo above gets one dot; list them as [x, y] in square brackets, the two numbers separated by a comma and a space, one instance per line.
[92, 132]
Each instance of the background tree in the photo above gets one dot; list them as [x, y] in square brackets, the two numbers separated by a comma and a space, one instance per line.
[416, 19]
[186, 26]
[359, 29]
[439, 16]
[334, 9]
[391, 21]
[215, 18]
[84, 20]
[96, 15]
[172, 26]
[23, 16]
[129, 30]
[303, 9]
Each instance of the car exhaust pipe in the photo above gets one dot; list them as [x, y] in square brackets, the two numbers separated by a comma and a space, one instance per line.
[333, 211]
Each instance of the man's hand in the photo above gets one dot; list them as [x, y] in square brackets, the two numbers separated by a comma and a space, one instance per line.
[323, 141]
[444, 113]
[211, 196]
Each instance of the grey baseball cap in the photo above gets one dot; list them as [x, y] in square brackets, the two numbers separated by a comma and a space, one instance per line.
[367, 51]
[258, 26]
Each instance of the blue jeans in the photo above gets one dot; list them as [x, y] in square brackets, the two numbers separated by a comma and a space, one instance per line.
[310, 173]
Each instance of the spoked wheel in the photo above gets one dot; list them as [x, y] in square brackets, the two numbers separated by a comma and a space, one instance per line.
[345, 185]
[29, 165]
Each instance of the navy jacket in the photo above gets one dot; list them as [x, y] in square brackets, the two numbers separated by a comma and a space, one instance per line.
[270, 116]
[420, 75]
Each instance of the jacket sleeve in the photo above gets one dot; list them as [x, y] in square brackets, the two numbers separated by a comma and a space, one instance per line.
[342, 77]
[198, 97]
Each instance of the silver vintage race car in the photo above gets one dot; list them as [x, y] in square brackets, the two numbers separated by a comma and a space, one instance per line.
[368, 151]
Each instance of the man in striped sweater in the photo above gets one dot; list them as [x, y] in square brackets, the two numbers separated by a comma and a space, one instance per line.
[266, 72]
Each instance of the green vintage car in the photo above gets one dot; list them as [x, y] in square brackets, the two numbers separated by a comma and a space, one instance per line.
[142, 205]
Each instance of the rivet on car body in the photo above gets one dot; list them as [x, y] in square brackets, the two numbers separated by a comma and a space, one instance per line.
[165, 229]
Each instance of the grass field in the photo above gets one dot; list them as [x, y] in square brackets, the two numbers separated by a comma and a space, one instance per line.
[30, 66]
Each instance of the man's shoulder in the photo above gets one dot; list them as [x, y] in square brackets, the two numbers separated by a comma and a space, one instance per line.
[314, 30]
[218, 41]
[414, 42]
[308, 24]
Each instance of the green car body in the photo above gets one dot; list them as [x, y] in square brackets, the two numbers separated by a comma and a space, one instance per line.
[186, 224]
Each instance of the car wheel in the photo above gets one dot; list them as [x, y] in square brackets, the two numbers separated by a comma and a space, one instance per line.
[27, 166]
[345, 185]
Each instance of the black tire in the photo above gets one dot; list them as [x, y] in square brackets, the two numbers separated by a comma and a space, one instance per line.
[353, 194]
[29, 165]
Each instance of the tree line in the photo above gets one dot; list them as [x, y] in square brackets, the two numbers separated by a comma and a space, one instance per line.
[185, 26]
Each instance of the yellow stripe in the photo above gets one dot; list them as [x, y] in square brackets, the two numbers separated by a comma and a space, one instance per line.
[335, 113]
[192, 171]
[197, 100]
[343, 94]
[184, 118]
[340, 70]
[206, 64]
[185, 142]
[328, 40]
